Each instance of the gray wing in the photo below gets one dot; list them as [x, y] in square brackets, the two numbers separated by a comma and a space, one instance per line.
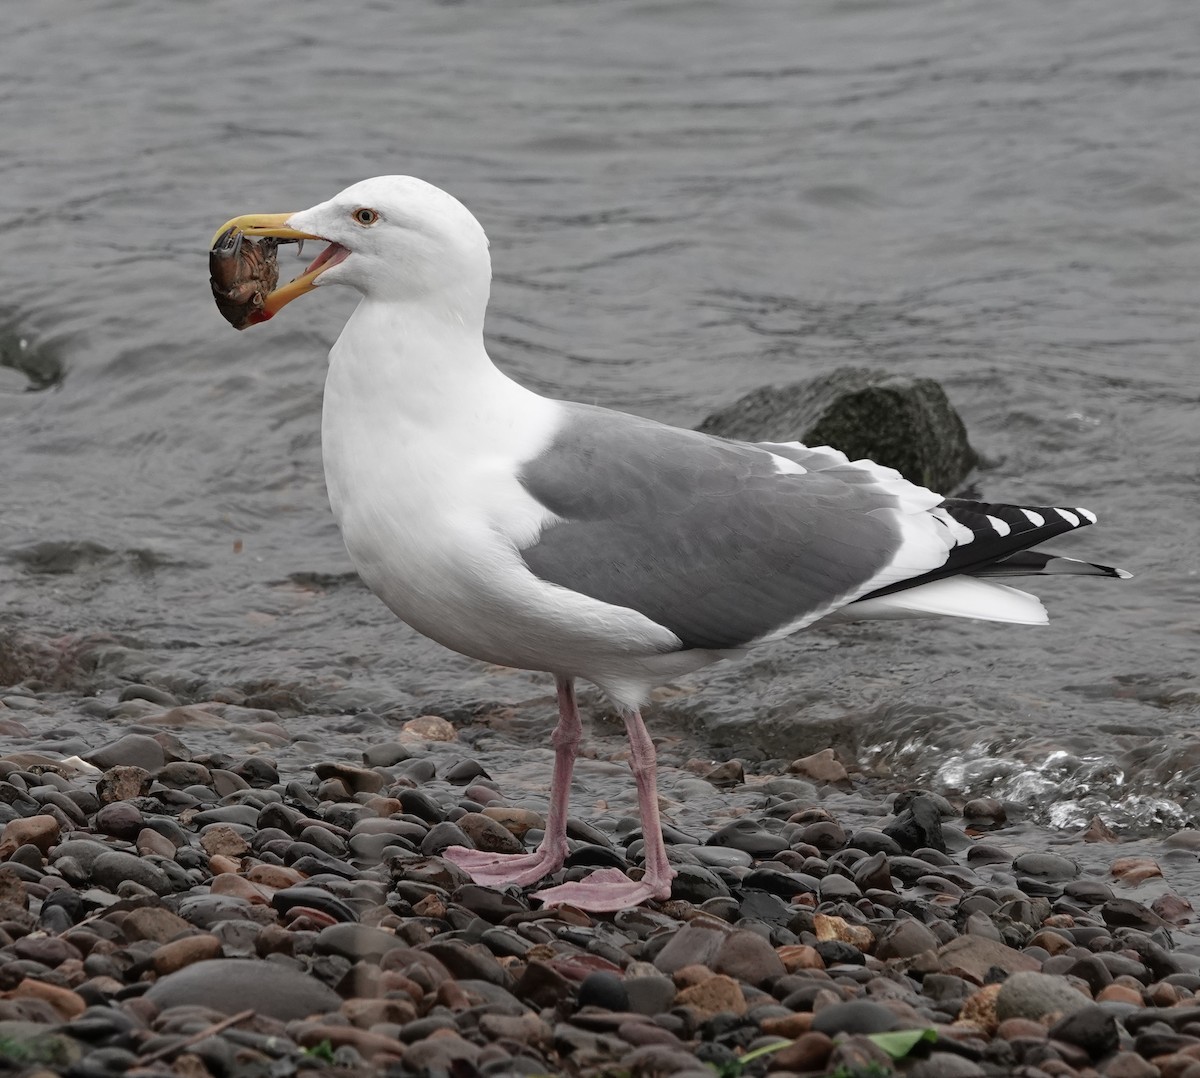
[703, 535]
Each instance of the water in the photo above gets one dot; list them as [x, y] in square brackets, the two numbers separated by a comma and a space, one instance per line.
[685, 201]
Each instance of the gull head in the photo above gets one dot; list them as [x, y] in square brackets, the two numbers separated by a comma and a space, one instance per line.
[393, 238]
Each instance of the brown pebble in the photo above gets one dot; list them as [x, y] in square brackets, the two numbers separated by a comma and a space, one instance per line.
[836, 928]
[428, 728]
[221, 865]
[749, 958]
[790, 1026]
[1053, 942]
[40, 831]
[971, 957]
[229, 883]
[800, 956]
[980, 1009]
[985, 810]
[365, 1013]
[65, 1002]
[716, 995]
[274, 876]
[150, 841]
[123, 783]
[1119, 993]
[1060, 1068]
[826, 997]
[50, 951]
[822, 766]
[809, 1052]
[696, 973]
[1173, 908]
[516, 820]
[357, 780]
[383, 806]
[393, 981]
[174, 956]
[1162, 994]
[487, 834]
[221, 840]
[1012, 1028]
[307, 919]
[153, 923]
[730, 773]
[1134, 870]
[431, 905]
[1097, 831]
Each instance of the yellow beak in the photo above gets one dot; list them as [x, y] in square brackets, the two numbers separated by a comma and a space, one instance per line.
[263, 224]
[274, 224]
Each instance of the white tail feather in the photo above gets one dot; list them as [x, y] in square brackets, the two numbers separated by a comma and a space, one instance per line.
[953, 597]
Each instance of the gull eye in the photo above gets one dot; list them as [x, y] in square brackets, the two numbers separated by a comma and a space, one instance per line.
[365, 216]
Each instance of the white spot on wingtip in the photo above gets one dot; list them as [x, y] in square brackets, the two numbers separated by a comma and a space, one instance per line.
[1036, 519]
[999, 525]
[1068, 516]
[1087, 515]
[1124, 574]
[962, 534]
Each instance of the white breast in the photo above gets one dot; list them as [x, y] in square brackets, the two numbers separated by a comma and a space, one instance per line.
[421, 463]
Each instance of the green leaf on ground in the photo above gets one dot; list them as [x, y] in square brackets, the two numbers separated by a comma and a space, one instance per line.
[900, 1042]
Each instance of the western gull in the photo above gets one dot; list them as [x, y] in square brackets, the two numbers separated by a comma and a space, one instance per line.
[587, 543]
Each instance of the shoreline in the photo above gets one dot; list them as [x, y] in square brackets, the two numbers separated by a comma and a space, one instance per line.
[170, 839]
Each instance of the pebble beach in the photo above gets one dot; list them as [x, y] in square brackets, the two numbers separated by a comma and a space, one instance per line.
[217, 887]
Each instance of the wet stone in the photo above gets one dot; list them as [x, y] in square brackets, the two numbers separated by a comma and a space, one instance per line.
[1091, 1028]
[232, 985]
[132, 750]
[41, 831]
[354, 941]
[918, 825]
[748, 837]
[113, 868]
[1030, 994]
[385, 754]
[486, 834]
[604, 990]
[1046, 866]
[858, 1016]
[120, 819]
[905, 939]
[153, 923]
[355, 779]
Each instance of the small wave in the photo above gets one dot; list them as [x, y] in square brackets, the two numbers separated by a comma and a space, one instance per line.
[1060, 788]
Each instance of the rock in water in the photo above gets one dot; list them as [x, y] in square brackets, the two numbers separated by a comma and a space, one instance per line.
[904, 423]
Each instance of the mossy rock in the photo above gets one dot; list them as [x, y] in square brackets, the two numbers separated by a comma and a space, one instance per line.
[904, 423]
[26, 1044]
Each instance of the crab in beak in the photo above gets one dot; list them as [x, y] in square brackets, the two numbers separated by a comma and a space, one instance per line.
[244, 269]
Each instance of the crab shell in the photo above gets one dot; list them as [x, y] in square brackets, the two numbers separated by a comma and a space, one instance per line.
[243, 272]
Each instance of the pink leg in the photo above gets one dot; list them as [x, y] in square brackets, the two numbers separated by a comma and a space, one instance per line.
[505, 869]
[610, 889]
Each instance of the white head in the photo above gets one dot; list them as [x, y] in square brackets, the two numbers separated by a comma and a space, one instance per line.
[395, 239]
